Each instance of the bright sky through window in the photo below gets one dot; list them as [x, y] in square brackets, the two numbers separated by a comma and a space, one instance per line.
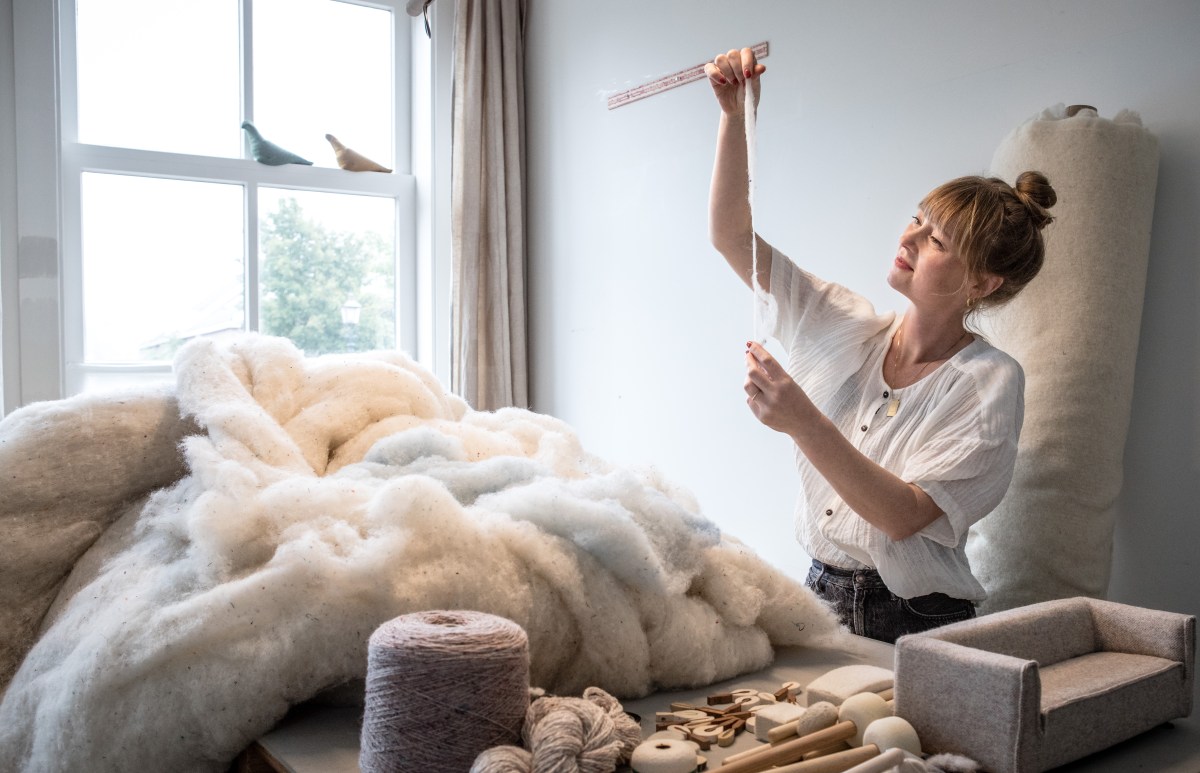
[160, 75]
[163, 260]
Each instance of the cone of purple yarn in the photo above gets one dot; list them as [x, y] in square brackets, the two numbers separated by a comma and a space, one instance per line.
[442, 686]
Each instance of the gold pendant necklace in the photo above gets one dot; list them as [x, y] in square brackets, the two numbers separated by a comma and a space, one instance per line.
[894, 404]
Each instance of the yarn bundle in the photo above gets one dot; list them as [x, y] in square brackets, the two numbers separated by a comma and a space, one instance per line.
[592, 734]
[442, 686]
[765, 309]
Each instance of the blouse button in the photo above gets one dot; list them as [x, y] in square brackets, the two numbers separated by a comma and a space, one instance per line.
[829, 512]
[885, 394]
[863, 428]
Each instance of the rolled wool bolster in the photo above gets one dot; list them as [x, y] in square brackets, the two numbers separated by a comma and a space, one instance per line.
[1051, 536]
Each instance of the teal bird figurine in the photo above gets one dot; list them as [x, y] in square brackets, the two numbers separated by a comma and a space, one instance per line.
[266, 152]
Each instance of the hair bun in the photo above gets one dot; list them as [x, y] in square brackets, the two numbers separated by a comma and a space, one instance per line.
[1036, 193]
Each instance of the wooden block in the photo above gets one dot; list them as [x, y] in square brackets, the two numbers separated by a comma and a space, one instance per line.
[839, 684]
[774, 715]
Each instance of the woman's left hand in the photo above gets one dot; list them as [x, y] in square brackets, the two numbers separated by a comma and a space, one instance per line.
[776, 400]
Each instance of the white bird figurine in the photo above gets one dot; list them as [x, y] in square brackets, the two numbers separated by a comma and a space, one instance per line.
[266, 152]
[352, 160]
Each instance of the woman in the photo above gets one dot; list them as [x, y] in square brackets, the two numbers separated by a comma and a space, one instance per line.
[905, 427]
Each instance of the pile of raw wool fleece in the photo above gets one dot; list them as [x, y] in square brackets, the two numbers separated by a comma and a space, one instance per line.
[229, 545]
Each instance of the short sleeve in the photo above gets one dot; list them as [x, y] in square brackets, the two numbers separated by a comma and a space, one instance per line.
[821, 318]
[966, 462]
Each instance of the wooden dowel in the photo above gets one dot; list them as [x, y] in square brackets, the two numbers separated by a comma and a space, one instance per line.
[789, 751]
[824, 750]
[832, 763]
[783, 732]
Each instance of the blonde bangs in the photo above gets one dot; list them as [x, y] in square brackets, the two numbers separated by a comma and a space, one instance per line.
[966, 212]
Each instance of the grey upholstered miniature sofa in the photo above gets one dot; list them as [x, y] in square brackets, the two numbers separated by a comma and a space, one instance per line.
[1027, 689]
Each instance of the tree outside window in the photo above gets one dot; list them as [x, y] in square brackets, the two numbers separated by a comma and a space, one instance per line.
[309, 273]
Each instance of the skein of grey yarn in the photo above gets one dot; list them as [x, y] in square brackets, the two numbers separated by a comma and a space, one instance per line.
[442, 686]
[568, 735]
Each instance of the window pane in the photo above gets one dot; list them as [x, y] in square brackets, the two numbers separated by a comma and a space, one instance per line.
[328, 275]
[162, 263]
[124, 380]
[160, 75]
[324, 67]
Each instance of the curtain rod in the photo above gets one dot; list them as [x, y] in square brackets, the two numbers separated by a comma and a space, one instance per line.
[420, 8]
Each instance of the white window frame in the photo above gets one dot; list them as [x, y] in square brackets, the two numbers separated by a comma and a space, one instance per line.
[43, 339]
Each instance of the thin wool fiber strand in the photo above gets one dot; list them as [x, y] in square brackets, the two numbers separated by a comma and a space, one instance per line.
[764, 306]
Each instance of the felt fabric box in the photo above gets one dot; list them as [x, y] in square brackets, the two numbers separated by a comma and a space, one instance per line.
[1028, 689]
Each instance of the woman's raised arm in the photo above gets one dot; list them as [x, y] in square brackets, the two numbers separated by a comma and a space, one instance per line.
[729, 221]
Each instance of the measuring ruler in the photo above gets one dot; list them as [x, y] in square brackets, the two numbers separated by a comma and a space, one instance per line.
[671, 81]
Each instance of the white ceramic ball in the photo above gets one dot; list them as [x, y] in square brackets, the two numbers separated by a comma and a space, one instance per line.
[863, 709]
[892, 733]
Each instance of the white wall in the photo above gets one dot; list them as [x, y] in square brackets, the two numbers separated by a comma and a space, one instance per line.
[638, 327]
[9, 383]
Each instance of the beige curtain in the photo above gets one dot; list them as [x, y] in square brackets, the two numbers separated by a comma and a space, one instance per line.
[488, 351]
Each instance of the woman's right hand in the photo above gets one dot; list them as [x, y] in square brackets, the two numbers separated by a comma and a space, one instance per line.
[729, 73]
[730, 224]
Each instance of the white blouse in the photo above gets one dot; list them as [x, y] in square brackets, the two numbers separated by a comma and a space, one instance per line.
[954, 433]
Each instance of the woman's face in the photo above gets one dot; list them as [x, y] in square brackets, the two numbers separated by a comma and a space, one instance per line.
[927, 269]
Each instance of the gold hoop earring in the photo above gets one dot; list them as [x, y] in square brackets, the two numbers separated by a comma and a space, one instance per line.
[970, 303]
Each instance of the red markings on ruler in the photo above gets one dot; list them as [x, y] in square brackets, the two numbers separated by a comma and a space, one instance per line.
[671, 81]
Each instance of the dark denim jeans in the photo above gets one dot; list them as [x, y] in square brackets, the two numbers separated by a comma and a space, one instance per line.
[868, 608]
